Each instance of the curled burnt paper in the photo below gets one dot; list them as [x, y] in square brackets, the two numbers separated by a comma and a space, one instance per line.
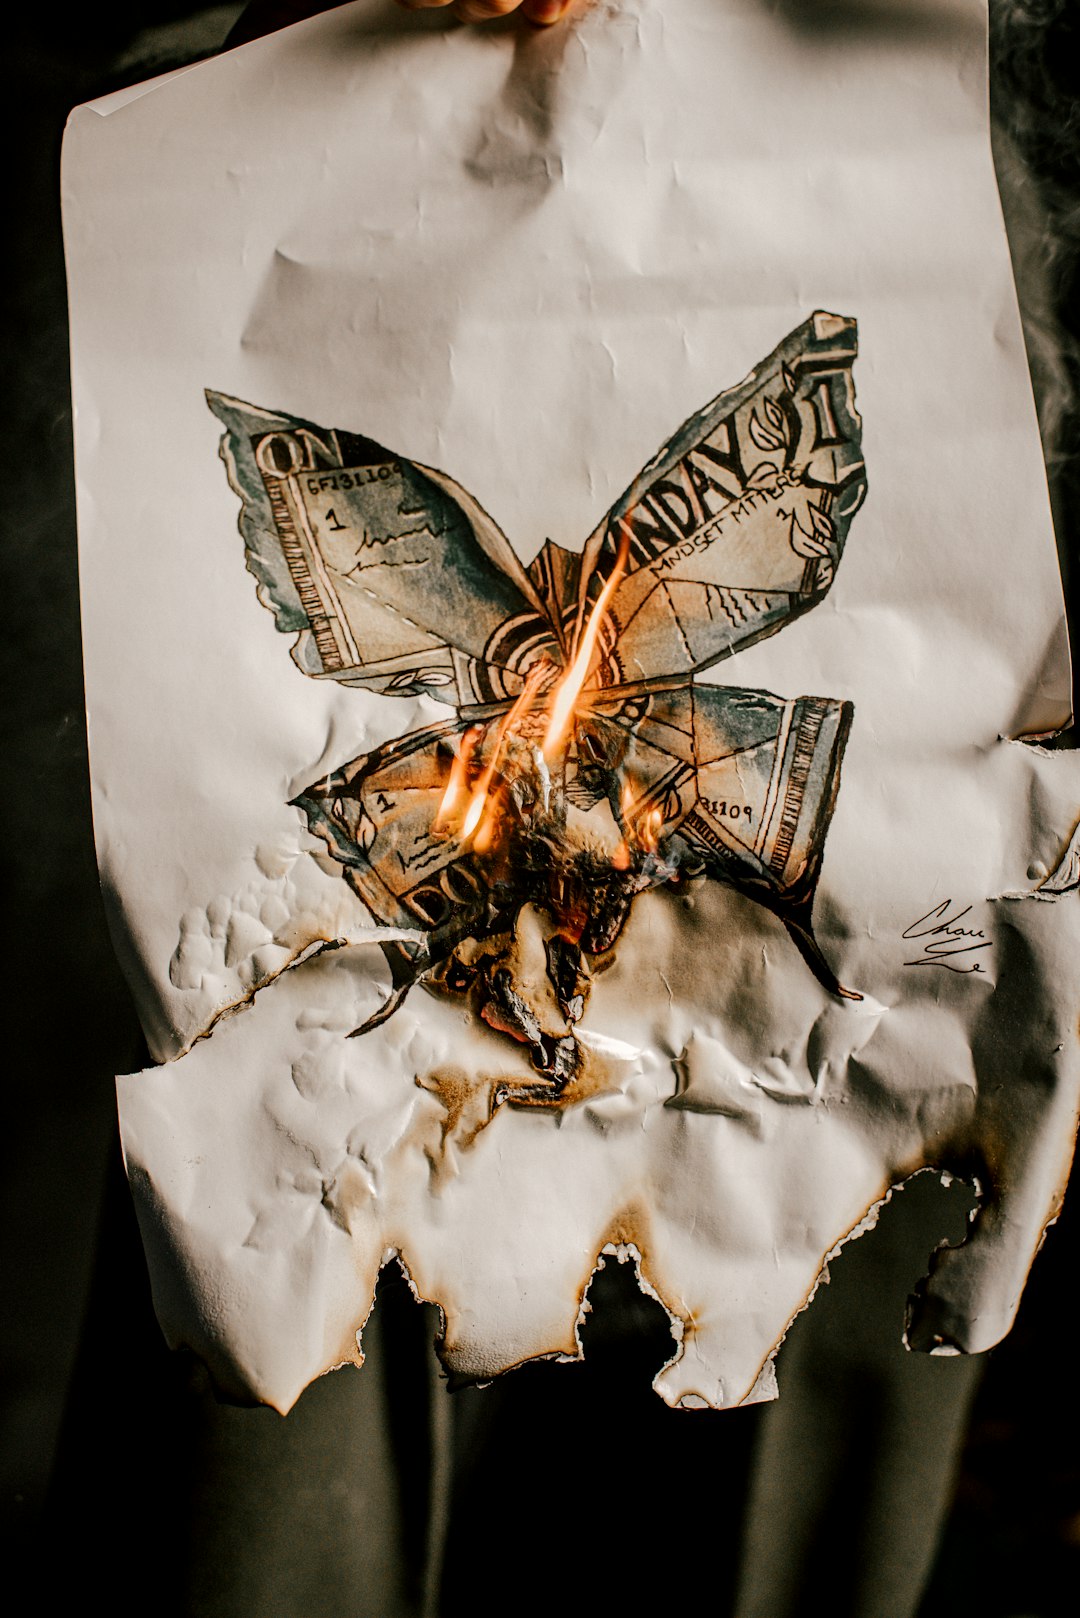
[573, 888]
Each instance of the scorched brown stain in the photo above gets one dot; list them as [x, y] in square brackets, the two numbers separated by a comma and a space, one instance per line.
[471, 1101]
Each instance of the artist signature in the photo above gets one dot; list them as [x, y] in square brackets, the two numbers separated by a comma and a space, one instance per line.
[945, 941]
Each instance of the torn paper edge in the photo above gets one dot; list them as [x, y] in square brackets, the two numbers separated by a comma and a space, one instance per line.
[1064, 878]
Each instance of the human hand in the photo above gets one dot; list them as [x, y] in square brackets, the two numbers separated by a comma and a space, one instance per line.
[540, 12]
[267, 16]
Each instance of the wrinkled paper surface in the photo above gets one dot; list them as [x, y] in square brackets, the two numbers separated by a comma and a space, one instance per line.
[522, 260]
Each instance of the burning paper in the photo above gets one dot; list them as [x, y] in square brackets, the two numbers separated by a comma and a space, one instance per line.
[549, 931]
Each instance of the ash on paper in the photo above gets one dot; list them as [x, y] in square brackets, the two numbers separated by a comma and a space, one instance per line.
[508, 924]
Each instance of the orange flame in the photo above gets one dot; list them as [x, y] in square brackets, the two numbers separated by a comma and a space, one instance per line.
[479, 821]
[569, 688]
[480, 801]
[643, 826]
[648, 830]
[459, 778]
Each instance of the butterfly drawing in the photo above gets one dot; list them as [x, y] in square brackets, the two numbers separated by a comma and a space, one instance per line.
[581, 760]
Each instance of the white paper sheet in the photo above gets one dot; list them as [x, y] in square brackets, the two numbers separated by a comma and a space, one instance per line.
[523, 260]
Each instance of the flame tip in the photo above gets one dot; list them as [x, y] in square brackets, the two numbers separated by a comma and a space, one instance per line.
[480, 820]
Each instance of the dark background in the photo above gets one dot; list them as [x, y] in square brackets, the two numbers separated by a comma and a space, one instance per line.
[123, 1478]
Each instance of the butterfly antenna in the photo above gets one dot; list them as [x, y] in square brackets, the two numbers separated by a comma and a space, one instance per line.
[802, 937]
[385, 1011]
[405, 970]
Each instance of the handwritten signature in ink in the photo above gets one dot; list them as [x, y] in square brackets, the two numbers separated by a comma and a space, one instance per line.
[945, 942]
